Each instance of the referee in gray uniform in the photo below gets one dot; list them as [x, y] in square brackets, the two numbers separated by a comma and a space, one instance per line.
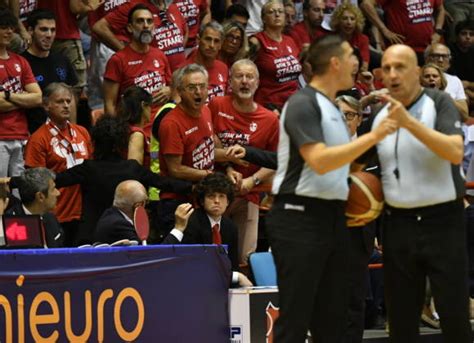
[306, 225]
[424, 232]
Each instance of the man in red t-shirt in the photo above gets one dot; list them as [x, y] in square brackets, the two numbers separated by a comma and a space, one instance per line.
[170, 31]
[310, 28]
[59, 145]
[408, 22]
[238, 119]
[211, 37]
[186, 139]
[138, 64]
[18, 91]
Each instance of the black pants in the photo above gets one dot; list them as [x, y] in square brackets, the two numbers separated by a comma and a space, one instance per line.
[428, 241]
[361, 245]
[309, 242]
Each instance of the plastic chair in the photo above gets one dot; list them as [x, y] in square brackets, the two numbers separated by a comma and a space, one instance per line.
[263, 268]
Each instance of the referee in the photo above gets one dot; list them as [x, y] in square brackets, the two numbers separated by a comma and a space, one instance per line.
[424, 232]
[306, 225]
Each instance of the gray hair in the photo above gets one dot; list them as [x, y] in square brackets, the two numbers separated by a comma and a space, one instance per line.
[350, 101]
[127, 193]
[212, 25]
[32, 181]
[189, 69]
[244, 61]
[54, 87]
[429, 50]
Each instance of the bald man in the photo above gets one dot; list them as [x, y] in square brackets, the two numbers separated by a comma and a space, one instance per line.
[424, 234]
[116, 223]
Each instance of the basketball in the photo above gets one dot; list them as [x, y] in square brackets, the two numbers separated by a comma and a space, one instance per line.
[365, 200]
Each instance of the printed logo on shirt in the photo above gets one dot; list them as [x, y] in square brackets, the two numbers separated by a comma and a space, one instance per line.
[111, 4]
[150, 80]
[189, 10]
[62, 152]
[191, 130]
[13, 84]
[17, 67]
[419, 11]
[203, 154]
[229, 138]
[253, 126]
[225, 115]
[287, 68]
[289, 49]
[27, 6]
[215, 90]
[61, 73]
[169, 38]
[132, 63]
[156, 63]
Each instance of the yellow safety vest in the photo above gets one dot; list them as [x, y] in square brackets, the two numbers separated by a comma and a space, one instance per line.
[154, 193]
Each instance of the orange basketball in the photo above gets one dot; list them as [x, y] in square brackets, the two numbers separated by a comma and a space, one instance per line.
[365, 200]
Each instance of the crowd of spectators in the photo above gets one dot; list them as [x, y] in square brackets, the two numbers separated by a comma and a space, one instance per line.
[178, 85]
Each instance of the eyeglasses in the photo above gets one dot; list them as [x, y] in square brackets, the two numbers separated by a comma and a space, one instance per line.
[275, 12]
[350, 115]
[233, 38]
[440, 56]
[193, 87]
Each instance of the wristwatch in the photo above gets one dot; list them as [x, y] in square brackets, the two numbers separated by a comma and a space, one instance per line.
[256, 180]
[440, 31]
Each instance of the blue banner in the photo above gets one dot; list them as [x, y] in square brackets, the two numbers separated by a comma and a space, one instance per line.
[123, 294]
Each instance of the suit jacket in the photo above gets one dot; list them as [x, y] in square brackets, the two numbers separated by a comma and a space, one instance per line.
[98, 180]
[199, 231]
[112, 227]
[54, 233]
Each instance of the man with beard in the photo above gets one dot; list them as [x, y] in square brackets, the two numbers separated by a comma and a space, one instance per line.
[138, 64]
[211, 37]
[238, 119]
[47, 66]
[310, 28]
[170, 32]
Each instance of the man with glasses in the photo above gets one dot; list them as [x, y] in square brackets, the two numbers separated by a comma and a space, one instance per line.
[238, 119]
[310, 28]
[440, 55]
[186, 139]
[138, 64]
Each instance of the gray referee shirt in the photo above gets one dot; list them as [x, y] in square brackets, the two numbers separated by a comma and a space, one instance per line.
[310, 117]
[424, 178]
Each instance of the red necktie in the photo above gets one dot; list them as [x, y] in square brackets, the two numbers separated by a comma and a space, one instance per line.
[216, 235]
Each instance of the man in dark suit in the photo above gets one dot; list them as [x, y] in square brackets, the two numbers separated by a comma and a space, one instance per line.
[116, 223]
[39, 195]
[207, 224]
